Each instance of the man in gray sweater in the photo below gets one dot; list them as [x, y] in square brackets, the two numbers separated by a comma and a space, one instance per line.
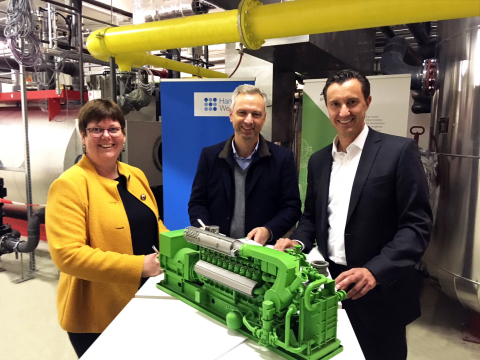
[246, 185]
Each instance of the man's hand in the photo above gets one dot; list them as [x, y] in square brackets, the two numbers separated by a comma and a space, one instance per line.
[285, 243]
[362, 278]
[260, 235]
[151, 266]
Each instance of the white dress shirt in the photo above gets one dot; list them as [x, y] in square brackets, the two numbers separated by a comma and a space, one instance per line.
[344, 168]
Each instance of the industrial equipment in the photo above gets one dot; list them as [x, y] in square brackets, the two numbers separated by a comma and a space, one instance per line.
[452, 256]
[10, 241]
[275, 298]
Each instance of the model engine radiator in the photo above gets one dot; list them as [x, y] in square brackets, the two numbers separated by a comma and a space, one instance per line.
[275, 298]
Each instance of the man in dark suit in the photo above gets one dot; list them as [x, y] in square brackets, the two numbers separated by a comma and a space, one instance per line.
[368, 210]
[246, 185]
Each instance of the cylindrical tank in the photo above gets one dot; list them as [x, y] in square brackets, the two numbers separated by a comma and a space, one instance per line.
[453, 255]
[53, 148]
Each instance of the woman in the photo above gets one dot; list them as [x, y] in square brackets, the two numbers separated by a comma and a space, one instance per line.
[101, 222]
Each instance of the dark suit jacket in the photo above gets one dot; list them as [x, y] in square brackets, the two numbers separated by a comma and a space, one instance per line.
[388, 222]
[272, 197]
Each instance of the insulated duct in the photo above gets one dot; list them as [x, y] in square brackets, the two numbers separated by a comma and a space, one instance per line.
[68, 68]
[453, 255]
[393, 61]
[253, 22]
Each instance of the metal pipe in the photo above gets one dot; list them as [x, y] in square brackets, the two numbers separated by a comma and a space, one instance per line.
[99, 21]
[33, 232]
[259, 22]
[393, 61]
[205, 51]
[28, 180]
[175, 57]
[113, 80]
[419, 33]
[74, 56]
[60, 5]
[109, 7]
[12, 243]
[80, 52]
[214, 28]
[49, 25]
[387, 31]
[126, 61]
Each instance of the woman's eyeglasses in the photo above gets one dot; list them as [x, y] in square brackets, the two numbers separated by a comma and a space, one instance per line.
[97, 132]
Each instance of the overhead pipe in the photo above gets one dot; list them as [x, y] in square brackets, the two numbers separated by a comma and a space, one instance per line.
[387, 31]
[252, 23]
[419, 33]
[139, 59]
[393, 61]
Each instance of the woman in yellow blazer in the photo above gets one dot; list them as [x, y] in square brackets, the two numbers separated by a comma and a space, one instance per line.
[101, 222]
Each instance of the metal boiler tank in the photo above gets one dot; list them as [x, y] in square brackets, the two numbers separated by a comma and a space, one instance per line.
[53, 148]
[55, 144]
[453, 255]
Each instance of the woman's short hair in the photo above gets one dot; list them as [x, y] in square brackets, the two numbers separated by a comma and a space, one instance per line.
[97, 110]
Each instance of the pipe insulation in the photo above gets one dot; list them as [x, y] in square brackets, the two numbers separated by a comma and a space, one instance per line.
[253, 22]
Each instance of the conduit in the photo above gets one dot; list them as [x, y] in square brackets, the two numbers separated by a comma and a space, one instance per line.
[253, 22]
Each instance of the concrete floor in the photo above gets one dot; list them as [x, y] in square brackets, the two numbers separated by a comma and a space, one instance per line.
[29, 327]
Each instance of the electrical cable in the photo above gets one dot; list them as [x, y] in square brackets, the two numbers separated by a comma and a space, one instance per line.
[240, 51]
[20, 32]
[68, 21]
[149, 86]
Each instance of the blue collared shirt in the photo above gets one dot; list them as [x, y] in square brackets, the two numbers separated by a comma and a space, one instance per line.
[241, 161]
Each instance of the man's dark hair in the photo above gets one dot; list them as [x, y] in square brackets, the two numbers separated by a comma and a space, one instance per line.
[346, 75]
[97, 110]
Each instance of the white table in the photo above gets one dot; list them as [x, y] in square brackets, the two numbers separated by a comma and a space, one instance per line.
[149, 290]
[155, 325]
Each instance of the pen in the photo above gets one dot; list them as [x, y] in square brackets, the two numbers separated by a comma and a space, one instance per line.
[155, 249]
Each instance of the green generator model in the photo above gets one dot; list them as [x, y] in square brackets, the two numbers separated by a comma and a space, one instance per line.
[274, 298]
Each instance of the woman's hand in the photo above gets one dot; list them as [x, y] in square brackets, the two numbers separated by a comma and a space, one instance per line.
[151, 266]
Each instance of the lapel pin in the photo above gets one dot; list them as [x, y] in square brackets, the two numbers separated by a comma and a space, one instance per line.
[143, 197]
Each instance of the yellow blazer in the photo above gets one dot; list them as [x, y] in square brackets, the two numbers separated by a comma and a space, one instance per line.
[89, 239]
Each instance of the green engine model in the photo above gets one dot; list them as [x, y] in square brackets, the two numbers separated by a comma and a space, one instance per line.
[275, 298]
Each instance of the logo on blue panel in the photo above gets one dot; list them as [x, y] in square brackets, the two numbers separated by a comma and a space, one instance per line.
[210, 104]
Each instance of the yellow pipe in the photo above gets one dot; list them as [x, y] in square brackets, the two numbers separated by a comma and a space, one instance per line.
[138, 59]
[259, 22]
[186, 68]
[293, 18]
[207, 29]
